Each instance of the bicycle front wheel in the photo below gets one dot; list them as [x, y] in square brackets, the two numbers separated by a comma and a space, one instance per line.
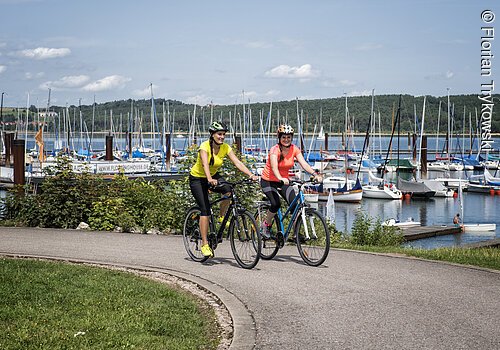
[245, 240]
[192, 235]
[312, 237]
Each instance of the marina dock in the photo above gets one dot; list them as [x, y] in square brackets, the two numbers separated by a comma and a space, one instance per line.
[419, 232]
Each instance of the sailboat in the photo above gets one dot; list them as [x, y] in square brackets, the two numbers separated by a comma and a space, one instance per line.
[321, 134]
[379, 189]
[343, 189]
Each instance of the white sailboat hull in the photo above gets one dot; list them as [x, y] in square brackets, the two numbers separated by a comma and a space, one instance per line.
[311, 197]
[348, 196]
[384, 192]
[479, 227]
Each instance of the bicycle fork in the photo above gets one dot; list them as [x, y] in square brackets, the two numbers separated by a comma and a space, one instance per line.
[303, 217]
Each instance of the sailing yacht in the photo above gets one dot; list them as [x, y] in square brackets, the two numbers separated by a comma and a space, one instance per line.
[377, 188]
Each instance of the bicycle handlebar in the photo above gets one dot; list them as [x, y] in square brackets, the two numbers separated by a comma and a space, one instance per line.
[302, 182]
[234, 184]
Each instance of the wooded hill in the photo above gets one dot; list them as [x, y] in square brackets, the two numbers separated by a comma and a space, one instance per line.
[463, 110]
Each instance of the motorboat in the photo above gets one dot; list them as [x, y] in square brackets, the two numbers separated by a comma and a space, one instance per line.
[401, 224]
[417, 189]
[439, 189]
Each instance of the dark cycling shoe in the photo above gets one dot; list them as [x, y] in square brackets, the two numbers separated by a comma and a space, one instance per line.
[265, 232]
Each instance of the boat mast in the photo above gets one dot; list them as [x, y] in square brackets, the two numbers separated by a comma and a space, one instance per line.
[437, 132]
[421, 135]
[449, 126]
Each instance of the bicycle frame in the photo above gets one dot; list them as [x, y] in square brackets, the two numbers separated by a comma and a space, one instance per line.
[232, 205]
[297, 204]
[231, 211]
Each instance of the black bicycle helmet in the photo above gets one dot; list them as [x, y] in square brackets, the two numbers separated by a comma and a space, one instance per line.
[216, 126]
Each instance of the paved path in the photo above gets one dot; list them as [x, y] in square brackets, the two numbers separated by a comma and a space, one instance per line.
[354, 301]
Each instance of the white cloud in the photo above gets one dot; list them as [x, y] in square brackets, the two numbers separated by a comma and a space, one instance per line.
[107, 83]
[146, 92]
[71, 81]
[68, 82]
[441, 76]
[250, 95]
[303, 72]
[360, 93]
[30, 76]
[200, 100]
[2, 68]
[42, 53]
[346, 82]
[272, 93]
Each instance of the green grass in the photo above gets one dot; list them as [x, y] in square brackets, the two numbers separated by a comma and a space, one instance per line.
[483, 257]
[48, 305]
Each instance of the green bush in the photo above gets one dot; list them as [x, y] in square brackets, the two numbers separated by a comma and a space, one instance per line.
[110, 213]
[367, 232]
[64, 199]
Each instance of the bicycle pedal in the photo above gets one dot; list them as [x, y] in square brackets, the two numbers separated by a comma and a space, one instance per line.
[280, 240]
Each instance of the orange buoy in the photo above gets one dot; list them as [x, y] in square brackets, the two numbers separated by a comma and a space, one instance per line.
[497, 192]
[455, 194]
[492, 192]
[407, 196]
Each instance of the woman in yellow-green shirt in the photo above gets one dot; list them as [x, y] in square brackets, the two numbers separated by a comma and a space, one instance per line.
[204, 175]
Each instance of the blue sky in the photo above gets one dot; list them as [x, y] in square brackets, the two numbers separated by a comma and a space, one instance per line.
[201, 51]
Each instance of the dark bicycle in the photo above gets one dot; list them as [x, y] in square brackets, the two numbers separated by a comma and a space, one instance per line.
[243, 232]
[312, 236]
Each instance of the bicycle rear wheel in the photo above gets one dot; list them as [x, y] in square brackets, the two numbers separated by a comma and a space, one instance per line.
[192, 236]
[312, 237]
[270, 246]
[245, 240]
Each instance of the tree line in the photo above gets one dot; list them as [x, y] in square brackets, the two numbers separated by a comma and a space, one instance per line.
[464, 111]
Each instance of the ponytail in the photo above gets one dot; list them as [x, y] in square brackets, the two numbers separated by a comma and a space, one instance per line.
[211, 161]
[281, 153]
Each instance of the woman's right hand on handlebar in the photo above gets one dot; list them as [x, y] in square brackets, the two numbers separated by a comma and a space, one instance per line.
[318, 178]
[213, 182]
[285, 181]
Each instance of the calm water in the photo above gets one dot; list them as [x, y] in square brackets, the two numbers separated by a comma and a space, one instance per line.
[478, 208]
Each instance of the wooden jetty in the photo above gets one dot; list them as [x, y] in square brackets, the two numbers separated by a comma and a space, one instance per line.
[419, 232]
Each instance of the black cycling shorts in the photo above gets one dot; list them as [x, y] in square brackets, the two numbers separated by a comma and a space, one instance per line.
[199, 188]
[273, 190]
